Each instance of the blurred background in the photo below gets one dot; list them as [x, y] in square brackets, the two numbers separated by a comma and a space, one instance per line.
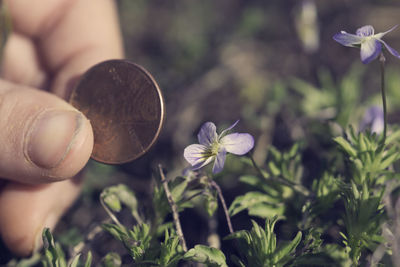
[268, 63]
[272, 64]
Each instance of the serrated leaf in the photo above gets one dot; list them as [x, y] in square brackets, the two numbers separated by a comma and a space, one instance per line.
[212, 257]
[171, 250]
[116, 231]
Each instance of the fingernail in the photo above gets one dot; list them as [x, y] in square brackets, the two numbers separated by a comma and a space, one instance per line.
[51, 137]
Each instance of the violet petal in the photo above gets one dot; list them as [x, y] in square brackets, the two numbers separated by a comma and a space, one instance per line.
[381, 34]
[238, 143]
[347, 39]
[365, 31]
[377, 126]
[207, 134]
[195, 154]
[391, 50]
[229, 128]
[202, 164]
[370, 49]
[219, 161]
[373, 119]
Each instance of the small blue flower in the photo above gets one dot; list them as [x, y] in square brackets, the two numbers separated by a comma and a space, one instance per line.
[370, 43]
[214, 147]
[373, 118]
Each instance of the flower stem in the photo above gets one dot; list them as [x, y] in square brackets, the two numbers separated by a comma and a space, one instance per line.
[174, 209]
[111, 214]
[221, 198]
[382, 61]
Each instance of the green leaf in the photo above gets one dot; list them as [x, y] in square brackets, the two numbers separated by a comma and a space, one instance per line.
[263, 210]
[139, 242]
[112, 259]
[256, 203]
[242, 234]
[237, 261]
[389, 159]
[265, 185]
[75, 261]
[178, 190]
[112, 202]
[287, 249]
[89, 258]
[212, 257]
[116, 231]
[211, 203]
[53, 255]
[114, 196]
[346, 146]
[170, 250]
[126, 196]
[274, 169]
[268, 235]
[394, 136]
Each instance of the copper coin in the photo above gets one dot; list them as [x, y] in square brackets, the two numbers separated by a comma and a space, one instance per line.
[125, 107]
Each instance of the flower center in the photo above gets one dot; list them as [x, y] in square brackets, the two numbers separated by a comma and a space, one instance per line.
[215, 148]
[367, 39]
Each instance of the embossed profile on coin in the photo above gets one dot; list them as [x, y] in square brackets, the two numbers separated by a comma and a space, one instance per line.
[125, 107]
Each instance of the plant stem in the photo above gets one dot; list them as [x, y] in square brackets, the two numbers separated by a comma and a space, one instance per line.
[111, 214]
[175, 213]
[382, 61]
[221, 198]
[255, 165]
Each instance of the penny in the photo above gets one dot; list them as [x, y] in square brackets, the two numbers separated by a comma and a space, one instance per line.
[125, 107]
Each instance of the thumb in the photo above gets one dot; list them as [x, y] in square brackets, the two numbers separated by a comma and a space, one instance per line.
[43, 138]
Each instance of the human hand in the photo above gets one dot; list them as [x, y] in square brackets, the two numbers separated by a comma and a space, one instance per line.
[44, 141]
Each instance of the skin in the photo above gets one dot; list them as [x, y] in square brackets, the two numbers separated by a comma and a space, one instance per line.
[52, 44]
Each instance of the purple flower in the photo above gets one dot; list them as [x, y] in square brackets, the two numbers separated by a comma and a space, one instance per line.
[370, 43]
[373, 118]
[214, 147]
